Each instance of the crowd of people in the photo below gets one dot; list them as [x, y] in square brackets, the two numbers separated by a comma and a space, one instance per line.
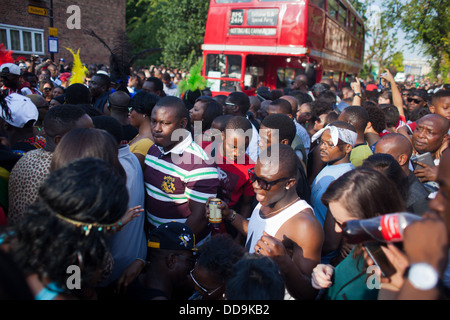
[106, 190]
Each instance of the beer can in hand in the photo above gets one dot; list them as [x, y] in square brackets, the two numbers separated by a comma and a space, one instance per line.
[215, 214]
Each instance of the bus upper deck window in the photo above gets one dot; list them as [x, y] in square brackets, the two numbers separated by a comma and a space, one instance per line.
[333, 8]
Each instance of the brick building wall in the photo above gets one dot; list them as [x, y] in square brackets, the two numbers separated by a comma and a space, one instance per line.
[105, 18]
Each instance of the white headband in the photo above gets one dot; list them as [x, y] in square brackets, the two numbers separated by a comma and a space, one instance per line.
[336, 133]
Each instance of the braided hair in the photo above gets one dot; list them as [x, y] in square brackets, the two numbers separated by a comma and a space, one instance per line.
[87, 190]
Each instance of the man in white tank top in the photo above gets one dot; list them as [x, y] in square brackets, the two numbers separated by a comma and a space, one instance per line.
[282, 226]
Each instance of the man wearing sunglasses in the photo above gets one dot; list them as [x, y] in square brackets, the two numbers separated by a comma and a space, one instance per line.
[417, 99]
[282, 226]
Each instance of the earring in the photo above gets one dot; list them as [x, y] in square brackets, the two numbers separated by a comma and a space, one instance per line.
[143, 115]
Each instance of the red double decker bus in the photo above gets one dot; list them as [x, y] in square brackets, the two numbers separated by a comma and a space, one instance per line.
[249, 43]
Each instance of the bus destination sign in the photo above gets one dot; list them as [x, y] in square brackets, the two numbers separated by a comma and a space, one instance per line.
[262, 17]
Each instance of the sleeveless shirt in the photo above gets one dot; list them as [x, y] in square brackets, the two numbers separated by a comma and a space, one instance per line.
[271, 225]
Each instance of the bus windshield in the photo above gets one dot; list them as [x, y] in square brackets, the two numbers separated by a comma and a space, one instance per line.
[223, 66]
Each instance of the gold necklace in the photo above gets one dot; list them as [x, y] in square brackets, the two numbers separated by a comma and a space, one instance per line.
[271, 214]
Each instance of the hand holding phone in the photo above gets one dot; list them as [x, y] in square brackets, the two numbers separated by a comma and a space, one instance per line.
[424, 158]
[375, 252]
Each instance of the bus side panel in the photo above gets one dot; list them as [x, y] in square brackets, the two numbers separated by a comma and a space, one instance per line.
[316, 24]
[335, 38]
[293, 29]
[216, 31]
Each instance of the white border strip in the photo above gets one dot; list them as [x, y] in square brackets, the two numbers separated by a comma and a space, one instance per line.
[284, 50]
[278, 50]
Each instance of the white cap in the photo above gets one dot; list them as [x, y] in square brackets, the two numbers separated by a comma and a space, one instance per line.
[10, 68]
[22, 110]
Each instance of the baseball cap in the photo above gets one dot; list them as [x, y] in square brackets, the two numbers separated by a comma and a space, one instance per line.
[371, 87]
[22, 110]
[263, 93]
[341, 106]
[10, 68]
[318, 88]
[172, 236]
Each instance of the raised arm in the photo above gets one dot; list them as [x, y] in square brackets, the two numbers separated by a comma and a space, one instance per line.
[356, 87]
[396, 94]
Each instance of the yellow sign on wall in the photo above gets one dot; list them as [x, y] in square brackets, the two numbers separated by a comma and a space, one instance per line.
[37, 10]
[53, 32]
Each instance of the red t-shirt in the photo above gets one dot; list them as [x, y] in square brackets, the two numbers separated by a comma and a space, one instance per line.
[233, 177]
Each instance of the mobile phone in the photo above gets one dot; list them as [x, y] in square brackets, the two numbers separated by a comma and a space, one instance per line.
[424, 158]
[383, 83]
[379, 258]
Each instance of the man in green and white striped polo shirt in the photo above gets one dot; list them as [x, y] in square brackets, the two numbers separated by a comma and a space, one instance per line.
[179, 176]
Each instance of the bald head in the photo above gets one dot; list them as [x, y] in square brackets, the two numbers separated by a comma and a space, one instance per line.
[301, 79]
[280, 106]
[255, 103]
[292, 101]
[398, 146]
[119, 99]
[439, 122]
[38, 100]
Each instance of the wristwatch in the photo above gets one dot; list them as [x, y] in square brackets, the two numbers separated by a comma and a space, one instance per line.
[423, 276]
[233, 216]
[357, 94]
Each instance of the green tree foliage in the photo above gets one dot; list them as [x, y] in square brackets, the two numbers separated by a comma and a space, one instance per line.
[381, 38]
[426, 23]
[182, 31]
[397, 62]
[142, 23]
[176, 26]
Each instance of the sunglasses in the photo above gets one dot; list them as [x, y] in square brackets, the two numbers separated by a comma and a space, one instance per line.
[264, 184]
[416, 101]
[138, 109]
[203, 290]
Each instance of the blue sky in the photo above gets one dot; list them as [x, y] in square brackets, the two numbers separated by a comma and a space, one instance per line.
[403, 44]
